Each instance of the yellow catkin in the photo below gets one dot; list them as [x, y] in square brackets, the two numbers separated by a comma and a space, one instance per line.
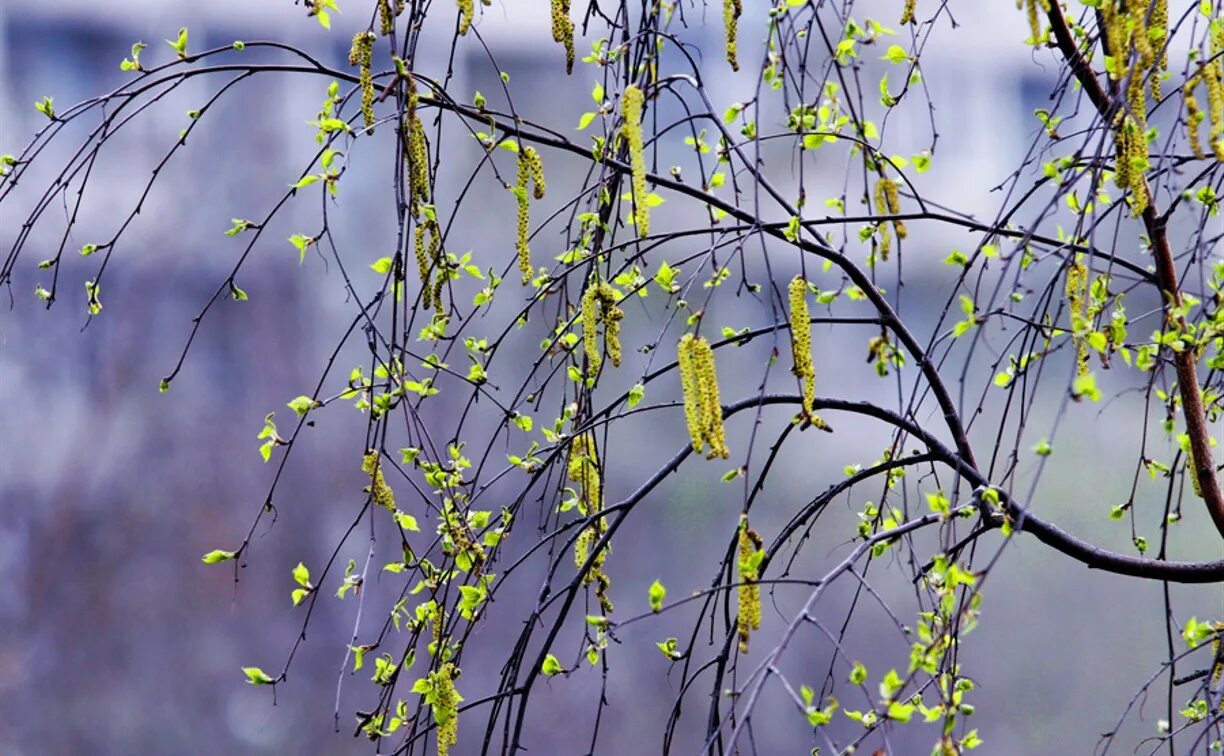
[881, 203]
[1138, 164]
[801, 348]
[1194, 116]
[749, 593]
[386, 19]
[907, 13]
[612, 316]
[1075, 289]
[423, 262]
[1159, 32]
[563, 30]
[1140, 40]
[731, 13]
[688, 383]
[1034, 20]
[1211, 78]
[1217, 666]
[632, 102]
[446, 707]
[434, 251]
[416, 152]
[535, 167]
[1116, 37]
[711, 405]
[801, 340]
[360, 54]
[1121, 148]
[602, 584]
[530, 172]
[466, 10]
[583, 469]
[892, 197]
[590, 329]
[1192, 470]
[378, 488]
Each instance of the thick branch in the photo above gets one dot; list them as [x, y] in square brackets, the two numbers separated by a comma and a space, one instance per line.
[1166, 277]
[1024, 520]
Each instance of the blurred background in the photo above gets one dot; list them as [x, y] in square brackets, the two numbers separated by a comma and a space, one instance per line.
[114, 638]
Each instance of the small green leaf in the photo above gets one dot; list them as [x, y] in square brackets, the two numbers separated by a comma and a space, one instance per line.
[1085, 386]
[551, 666]
[303, 404]
[217, 555]
[46, 106]
[858, 675]
[301, 575]
[180, 43]
[301, 242]
[407, 522]
[896, 54]
[256, 676]
[657, 594]
[636, 395]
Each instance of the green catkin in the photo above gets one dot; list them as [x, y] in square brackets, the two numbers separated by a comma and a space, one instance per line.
[439, 282]
[386, 19]
[423, 261]
[1116, 37]
[892, 198]
[801, 342]
[466, 10]
[907, 13]
[706, 374]
[1192, 470]
[632, 102]
[535, 166]
[1159, 32]
[530, 171]
[688, 383]
[1211, 78]
[1217, 666]
[1126, 33]
[731, 13]
[749, 593]
[435, 255]
[416, 152]
[378, 489]
[612, 316]
[881, 202]
[1076, 286]
[446, 707]
[1034, 19]
[1194, 116]
[583, 469]
[590, 329]
[1121, 148]
[360, 54]
[563, 30]
[801, 348]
